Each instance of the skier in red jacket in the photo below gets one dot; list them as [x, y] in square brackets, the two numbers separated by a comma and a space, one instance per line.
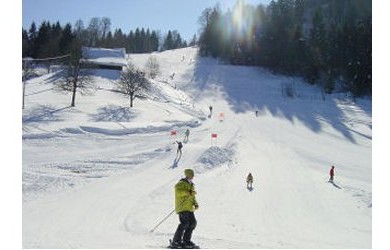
[331, 173]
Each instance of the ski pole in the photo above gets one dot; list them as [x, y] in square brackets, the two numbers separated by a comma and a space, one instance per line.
[166, 217]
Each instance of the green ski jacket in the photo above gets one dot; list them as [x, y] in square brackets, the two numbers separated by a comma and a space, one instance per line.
[185, 196]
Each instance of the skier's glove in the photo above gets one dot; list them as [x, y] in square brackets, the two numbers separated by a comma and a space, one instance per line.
[196, 206]
[191, 192]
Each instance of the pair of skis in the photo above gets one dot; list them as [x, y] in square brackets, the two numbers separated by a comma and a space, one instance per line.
[171, 246]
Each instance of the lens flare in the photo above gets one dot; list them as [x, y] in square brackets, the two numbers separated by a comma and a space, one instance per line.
[239, 24]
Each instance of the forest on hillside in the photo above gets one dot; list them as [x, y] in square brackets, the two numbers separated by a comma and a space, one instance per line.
[53, 39]
[328, 42]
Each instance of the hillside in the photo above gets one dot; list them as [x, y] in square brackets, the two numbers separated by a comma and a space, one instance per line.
[101, 175]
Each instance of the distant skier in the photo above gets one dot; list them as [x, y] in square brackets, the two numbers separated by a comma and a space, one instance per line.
[211, 110]
[186, 135]
[179, 147]
[257, 113]
[249, 181]
[185, 205]
[331, 174]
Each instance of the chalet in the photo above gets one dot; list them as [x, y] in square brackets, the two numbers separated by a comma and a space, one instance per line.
[101, 58]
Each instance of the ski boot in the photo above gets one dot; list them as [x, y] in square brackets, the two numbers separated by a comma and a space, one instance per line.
[190, 245]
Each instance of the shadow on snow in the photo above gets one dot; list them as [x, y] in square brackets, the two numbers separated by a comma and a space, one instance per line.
[263, 91]
[114, 113]
[43, 113]
[176, 161]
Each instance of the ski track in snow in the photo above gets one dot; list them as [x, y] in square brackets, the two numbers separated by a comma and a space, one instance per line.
[101, 175]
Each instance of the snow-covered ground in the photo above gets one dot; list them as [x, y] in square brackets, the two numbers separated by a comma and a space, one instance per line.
[101, 175]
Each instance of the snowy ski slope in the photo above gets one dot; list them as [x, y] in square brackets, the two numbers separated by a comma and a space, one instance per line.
[101, 175]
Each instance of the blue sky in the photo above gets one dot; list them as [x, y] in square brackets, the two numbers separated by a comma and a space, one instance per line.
[163, 15]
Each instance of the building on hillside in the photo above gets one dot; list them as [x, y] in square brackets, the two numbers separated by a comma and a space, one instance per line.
[101, 58]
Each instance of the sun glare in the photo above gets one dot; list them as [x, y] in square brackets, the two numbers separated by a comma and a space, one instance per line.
[238, 26]
[241, 23]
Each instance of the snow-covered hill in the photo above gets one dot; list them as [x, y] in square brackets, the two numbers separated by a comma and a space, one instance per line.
[101, 175]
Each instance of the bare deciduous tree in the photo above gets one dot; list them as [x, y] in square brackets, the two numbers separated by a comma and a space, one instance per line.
[152, 67]
[94, 31]
[132, 82]
[106, 26]
[75, 79]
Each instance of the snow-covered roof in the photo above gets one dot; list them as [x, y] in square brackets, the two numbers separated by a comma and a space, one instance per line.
[102, 56]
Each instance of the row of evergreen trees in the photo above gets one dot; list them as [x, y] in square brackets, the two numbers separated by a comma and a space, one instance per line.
[49, 40]
[325, 41]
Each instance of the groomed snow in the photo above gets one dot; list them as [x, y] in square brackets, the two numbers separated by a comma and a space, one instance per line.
[101, 175]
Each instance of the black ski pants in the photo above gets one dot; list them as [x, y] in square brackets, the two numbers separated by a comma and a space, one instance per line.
[185, 228]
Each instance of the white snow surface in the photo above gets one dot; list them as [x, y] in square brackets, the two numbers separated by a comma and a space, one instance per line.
[101, 174]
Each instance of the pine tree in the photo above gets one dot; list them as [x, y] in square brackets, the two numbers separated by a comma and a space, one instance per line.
[168, 41]
[137, 41]
[25, 43]
[317, 44]
[131, 42]
[32, 39]
[205, 36]
[66, 39]
[154, 41]
[42, 38]
[193, 41]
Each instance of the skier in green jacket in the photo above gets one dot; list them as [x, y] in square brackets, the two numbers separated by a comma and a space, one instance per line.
[185, 205]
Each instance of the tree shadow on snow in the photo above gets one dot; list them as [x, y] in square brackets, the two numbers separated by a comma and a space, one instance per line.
[113, 113]
[248, 89]
[43, 113]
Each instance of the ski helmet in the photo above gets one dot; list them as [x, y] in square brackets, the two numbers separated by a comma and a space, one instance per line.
[189, 172]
